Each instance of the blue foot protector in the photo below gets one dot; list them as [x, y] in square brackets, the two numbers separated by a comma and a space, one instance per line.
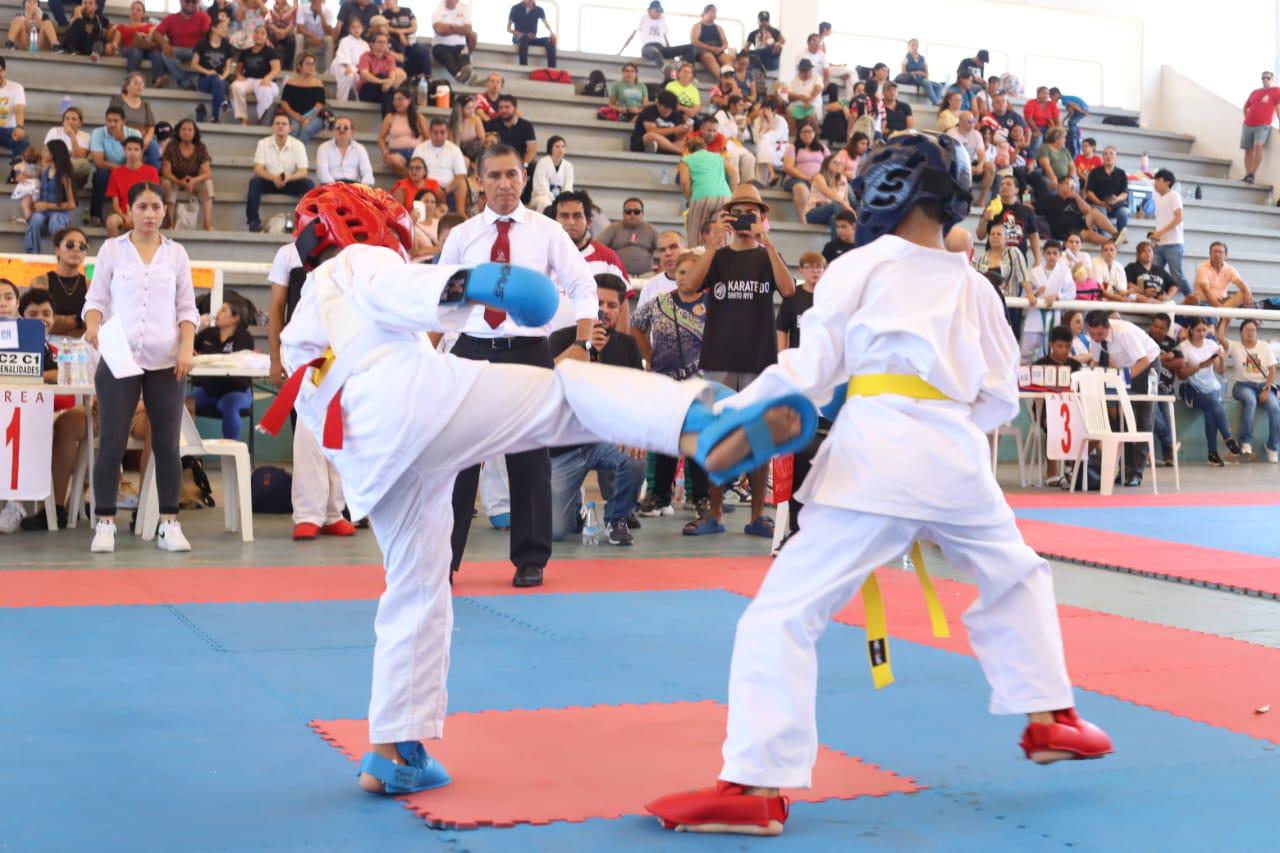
[501, 521]
[752, 420]
[420, 772]
[700, 415]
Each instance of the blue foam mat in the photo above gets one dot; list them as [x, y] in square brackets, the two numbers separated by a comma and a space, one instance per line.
[1248, 529]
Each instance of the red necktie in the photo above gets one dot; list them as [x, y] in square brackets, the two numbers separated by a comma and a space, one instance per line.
[500, 254]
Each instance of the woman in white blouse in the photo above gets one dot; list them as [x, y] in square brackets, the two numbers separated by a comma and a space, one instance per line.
[142, 282]
[553, 175]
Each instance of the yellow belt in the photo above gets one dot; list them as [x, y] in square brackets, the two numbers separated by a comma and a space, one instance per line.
[319, 373]
[870, 385]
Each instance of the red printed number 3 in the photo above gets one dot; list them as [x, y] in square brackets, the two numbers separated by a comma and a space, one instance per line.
[1066, 428]
[13, 435]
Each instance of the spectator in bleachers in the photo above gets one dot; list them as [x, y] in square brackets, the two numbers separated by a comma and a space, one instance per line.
[846, 223]
[632, 239]
[345, 67]
[409, 189]
[1049, 282]
[27, 176]
[670, 246]
[466, 126]
[849, 157]
[123, 179]
[282, 27]
[817, 58]
[424, 208]
[522, 23]
[837, 71]
[619, 471]
[214, 61]
[402, 130]
[487, 100]
[981, 165]
[703, 178]
[1167, 235]
[740, 164]
[659, 126]
[552, 176]
[835, 117]
[1011, 264]
[161, 334]
[231, 12]
[708, 42]
[1076, 111]
[106, 148]
[251, 14]
[379, 74]
[1166, 369]
[1123, 345]
[315, 32]
[812, 266]
[1088, 159]
[804, 94]
[686, 92]
[13, 107]
[1214, 280]
[651, 34]
[1066, 213]
[1041, 114]
[186, 166]
[139, 116]
[227, 399]
[915, 72]
[71, 134]
[1005, 117]
[897, 114]
[1017, 220]
[733, 122]
[1201, 373]
[949, 111]
[1260, 109]
[303, 100]
[403, 26]
[975, 66]
[445, 164]
[1053, 164]
[66, 282]
[741, 271]
[55, 200]
[517, 132]
[355, 10]
[629, 96]
[58, 8]
[343, 158]
[745, 80]
[802, 160]
[764, 44]
[453, 38]
[279, 166]
[176, 38]
[256, 73]
[573, 210]
[1253, 373]
[829, 195]
[1148, 280]
[1109, 273]
[1108, 187]
[86, 35]
[20, 29]
[965, 89]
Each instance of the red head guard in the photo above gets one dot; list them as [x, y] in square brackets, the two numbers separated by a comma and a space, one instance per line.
[334, 216]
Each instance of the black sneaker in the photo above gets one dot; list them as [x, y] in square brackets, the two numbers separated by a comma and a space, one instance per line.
[255, 227]
[1233, 446]
[202, 114]
[619, 534]
[633, 522]
[650, 508]
[1167, 461]
[1215, 459]
[38, 520]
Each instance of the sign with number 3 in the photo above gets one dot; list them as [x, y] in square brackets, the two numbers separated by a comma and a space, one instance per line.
[1066, 427]
[26, 443]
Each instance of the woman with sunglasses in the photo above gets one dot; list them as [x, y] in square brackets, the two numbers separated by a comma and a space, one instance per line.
[66, 283]
[143, 282]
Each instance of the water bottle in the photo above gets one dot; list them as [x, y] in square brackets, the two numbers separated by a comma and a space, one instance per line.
[424, 93]
[64, 364]
[33, 37]
[1145, 165]
[66, 104]
[83, 372]
[591, 526]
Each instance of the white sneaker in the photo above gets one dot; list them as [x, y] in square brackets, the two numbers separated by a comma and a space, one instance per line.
[104, 537]
[170, 538]
[11, 517]
[1272, 456]
[1246, 449]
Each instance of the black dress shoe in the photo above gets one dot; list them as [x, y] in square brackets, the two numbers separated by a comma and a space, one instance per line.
[528, 576]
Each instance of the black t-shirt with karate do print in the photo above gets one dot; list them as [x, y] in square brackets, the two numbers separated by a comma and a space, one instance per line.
[739, 333]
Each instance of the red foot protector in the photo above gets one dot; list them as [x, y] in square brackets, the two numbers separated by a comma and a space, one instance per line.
[605, 761]
[726, 803]
[1067, 733]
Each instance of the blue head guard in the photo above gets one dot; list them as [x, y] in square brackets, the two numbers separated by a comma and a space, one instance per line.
[910, 169]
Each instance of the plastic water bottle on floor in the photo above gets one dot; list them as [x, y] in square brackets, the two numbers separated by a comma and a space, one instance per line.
[591, 525]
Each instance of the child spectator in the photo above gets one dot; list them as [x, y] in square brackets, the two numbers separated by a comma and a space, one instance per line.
[346, 59]
[1088, 159]
[1050, 281]
[123, 178]
[28, 175]
[846, 224]
[553, 175]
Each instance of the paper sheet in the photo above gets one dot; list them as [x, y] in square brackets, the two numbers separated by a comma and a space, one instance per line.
[113, 346]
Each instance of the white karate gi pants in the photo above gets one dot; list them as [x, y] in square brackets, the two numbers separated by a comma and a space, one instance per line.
[495, 487]
[317, 488]
[510, 408]
[772, 738]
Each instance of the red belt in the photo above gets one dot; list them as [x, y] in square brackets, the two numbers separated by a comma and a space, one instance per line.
[274, 417]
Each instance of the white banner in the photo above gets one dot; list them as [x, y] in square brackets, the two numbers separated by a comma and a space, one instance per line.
[26, 443]
[1066, 427]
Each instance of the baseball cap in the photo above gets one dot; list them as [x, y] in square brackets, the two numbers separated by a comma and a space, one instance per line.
[655, 5]
[726, 69]
[805, 65]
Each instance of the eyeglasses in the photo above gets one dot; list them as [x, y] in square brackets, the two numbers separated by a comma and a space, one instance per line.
[72, 244]
[634, 210]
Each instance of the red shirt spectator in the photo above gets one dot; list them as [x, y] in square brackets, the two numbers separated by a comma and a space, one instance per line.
[123, 178]
[128, 31]
[1085, 165]
[410, 189]
[1260, 109]
[378, 67]
[1041, 114]
[184, 30]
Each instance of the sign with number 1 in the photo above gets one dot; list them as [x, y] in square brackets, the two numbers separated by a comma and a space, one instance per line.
[1066, 426]
[26, 443]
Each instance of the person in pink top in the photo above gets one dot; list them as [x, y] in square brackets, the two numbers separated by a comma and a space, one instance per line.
[1214, 277]
[1262, 106]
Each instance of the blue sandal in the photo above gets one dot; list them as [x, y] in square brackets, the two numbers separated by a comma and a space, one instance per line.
[703, 527]
[762, 526]
[713, 429]
[420, 772]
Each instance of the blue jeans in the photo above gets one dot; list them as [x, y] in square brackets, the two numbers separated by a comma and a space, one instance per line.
[1170, 256]
[1215, 416]
[765, 58]
[1073, 133]
[417, 60]
[133, 57]
[231, 407]
[58, 8]
[309, 127]
[98, 200]
[258, 186]
[1160, 427]
[931, 89]
[825, 214]
[620, 479]
[175, 66]
[42, 221]
[15, 147]
[523, 41]
[152, 155]
[1247, 394]
[215, 87]
[1118, 214]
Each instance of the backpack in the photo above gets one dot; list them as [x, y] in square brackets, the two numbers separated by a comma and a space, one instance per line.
[272, 490]
[608, 114]
[597, 86]
[550, 75]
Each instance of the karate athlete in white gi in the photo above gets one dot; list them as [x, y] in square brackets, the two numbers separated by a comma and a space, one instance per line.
[921, 342]
[399, 420]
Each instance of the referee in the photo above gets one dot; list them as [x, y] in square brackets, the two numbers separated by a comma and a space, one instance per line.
[507, 232]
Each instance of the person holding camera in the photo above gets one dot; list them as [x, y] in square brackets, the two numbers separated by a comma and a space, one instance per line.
[740, 272]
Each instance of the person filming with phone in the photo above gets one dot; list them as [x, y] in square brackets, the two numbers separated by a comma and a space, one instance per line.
[740, 272]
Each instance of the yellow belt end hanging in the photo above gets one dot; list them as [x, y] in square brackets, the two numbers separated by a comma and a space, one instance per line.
[877, 632]
[937, 616]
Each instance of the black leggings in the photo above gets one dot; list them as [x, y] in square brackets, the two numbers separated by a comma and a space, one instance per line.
[161, 394]
[664, 474]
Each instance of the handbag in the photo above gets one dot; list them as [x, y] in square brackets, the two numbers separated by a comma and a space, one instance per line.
[186, 214]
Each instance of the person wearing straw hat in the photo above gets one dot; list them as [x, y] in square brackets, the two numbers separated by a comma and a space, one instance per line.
[740, 271]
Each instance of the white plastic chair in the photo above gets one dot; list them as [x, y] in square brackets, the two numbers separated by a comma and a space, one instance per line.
[1019, 445]
[237, 498]
[1093, 386]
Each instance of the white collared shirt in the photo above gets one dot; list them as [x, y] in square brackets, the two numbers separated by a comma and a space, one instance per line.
[458, 16]
[333, 164]
[443, 163]
[1127, 344]
[655, 287]
[312, 23]
[538, 243]
[277, 160]
[150, 300]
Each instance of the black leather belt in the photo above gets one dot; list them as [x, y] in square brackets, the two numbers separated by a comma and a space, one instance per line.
[503, 343]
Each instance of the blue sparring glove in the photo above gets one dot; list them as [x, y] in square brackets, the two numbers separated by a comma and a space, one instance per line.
[529, 297]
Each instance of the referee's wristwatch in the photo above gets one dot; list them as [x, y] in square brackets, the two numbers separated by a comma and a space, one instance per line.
[582, 344]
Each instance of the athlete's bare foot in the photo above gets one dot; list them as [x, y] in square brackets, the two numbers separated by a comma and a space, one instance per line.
[784, 423]
[387, 751]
